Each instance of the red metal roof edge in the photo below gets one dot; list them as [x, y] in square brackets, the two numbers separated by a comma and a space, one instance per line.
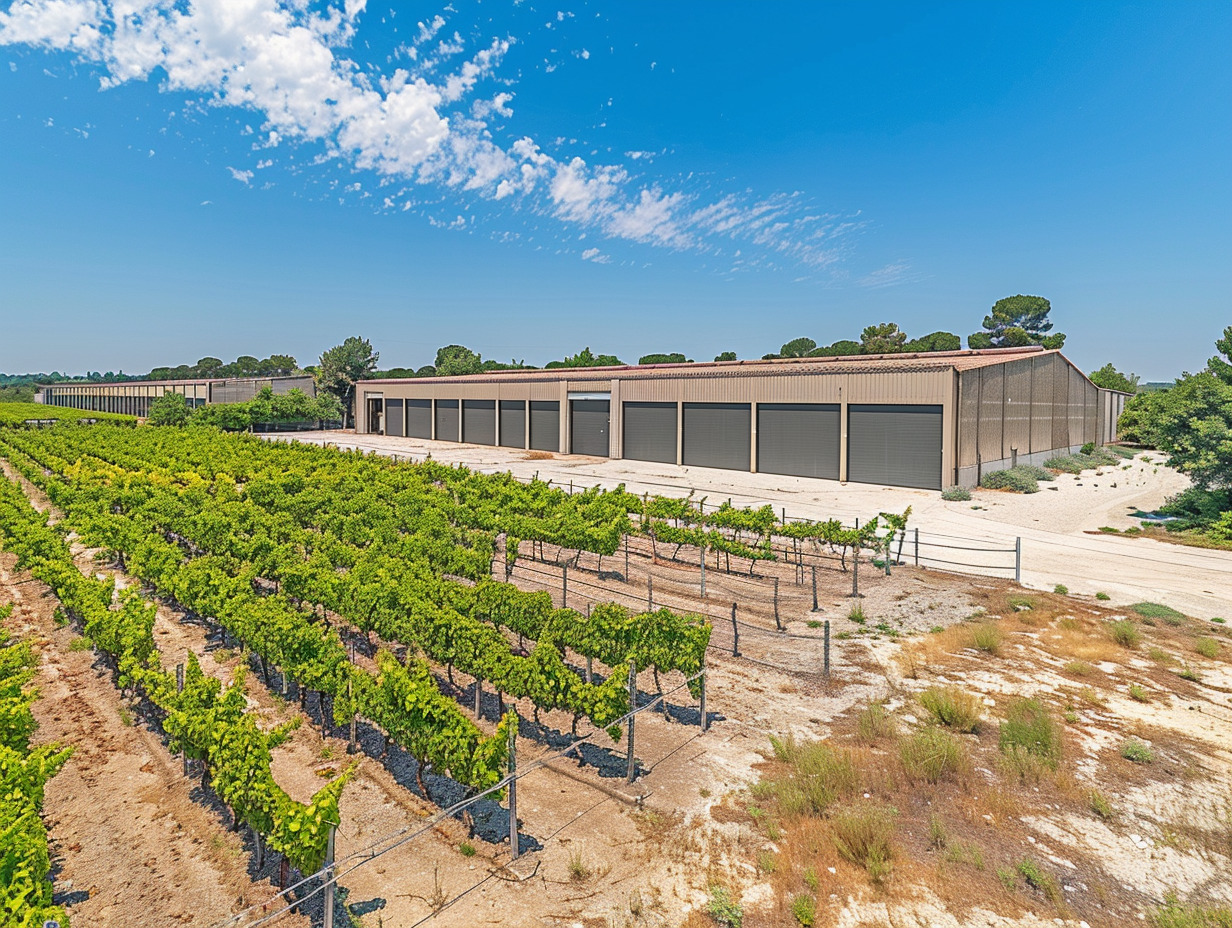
[991, 354]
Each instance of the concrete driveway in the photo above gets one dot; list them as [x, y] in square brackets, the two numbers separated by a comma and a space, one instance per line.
[1053, 525]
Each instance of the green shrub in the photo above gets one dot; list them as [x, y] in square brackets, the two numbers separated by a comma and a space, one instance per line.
[953, 708]
[1103, 597]
[1217, 620]
[1038, 879]
[938, 837]
[723, 909]
[857, 614]
[1078, 668]
[956, 494]
[1068, 464]
[875, 723]
[1156, 611]
[820, 775]
[1061, 589]
[1008, 878]
[1138, 693]
[1015, 479]
[1124, 633]
[1100, 804]
[931, 755]
[466, 849]
[1190, 674]
[811, 880]
[1207, 647]
[767, 862]
[986, 637]
[863, 835]
[1134, 750]
[1088, 448]
[804, 910]
[1174, 914]
[1029, 729]
[1039, 473]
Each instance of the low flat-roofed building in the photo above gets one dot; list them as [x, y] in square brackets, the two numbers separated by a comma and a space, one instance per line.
[133, 397]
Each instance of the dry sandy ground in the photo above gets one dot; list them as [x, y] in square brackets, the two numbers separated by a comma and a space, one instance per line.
[1052, 523]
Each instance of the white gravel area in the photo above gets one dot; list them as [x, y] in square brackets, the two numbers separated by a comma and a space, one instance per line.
[1052, 524]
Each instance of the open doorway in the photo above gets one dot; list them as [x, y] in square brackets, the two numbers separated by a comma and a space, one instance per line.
[376, 415]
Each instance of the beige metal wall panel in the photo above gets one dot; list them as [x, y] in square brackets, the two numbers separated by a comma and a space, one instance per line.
[1092, 416]
[1060, 404]
[1041, 404]
[992, 396]
[1017, 408]
[968, 416]
[1077, 407]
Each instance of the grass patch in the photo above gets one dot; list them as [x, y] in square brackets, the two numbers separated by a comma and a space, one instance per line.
[956, 494]
[723, 909]
[1061, 589]
[1190, 674]
[953, 708]
[818, 775]
[1207, 647]
[1175, 914]
[1008, 878]
[1036, 878]
[857, 614]
[580, 869]
[1021, 603]
[80, 644]
[863, 836]
[961, 853]
[1138, 693]
[986, 637]
[466, 849]
[1077, 668]
[804, 910]
[767, 862]
[931, 755]
[1030, 736]
[811, 879]
[1100, 805]
[1134, 750]
[1015, 479]
[874, 724]
[1103, 597]
[1157, 611]
[938, 837]
[1124, 633]
[1160, 656]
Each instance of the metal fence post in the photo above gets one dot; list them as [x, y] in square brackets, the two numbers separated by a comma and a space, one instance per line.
[702, 561]
[813, 567]
[649, 593]
[351, 706]
[564, 586]
[777, 623]
[179, 687]
[513, 790]
[826, 664]
[626, 557]
[1018, 560]
[917, 546]
[631, 764]
[735, 634]
[329, 880]
[705, 721]
[855, 572]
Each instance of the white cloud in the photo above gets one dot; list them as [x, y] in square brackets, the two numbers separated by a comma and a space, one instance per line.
[291, 64]
[593, 254]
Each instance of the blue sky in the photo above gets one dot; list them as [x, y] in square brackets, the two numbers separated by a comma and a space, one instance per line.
[247, 177]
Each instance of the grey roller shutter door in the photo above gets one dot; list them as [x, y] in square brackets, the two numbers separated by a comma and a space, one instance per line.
[513, 423]
[418, 418]
[479, 422]
[650, 432]
[394, 420]
[446, 420]
[588, 426]
[898, 446]
[801, 440]
[545, 425]
[717, 435]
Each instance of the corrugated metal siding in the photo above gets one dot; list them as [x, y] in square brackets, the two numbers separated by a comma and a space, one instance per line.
[650, 432]
[1077, 407]
[479, 422]
[395, 418]
[1060, 404]
[800, 440]
[513, 423]
[968, 417]
[1041, 405]
[588, 427]
[992, 395]
[895, 445]
[1017, 408]
[419, 418]
[446, 420]
[717, 435]
[545, 425]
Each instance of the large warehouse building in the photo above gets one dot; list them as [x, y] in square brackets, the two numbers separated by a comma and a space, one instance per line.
[133, 397]
[916, 420]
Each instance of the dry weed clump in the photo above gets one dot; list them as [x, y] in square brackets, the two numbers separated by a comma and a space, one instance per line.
[932, 754]
[953, 708]
[817, 776]
[863, 836]
[1030, 739]
[1124, 633]
[874, 724]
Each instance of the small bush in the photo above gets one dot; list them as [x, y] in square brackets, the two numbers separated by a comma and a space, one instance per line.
[466, 849]
[1008, 878]
[1156, 611]
[1020, 603]
[986, 637]
[1218, 620]
[1061, 589]
[1016, 480]
[874, 723]
[862, 835]
[956, 494]
[1207, 647]
[1088, 448]
[1038, 879]
[767, 862]
[1039, 473]
[820, 775]
[1029, 729]
[953, 708]
[1174, 914]
[1160, 656]
[1078, 668]
[931, 755]
[811, 880]
[938, 837]
[723, 909]
[1100, 804]
[1190, 674]
[1138, 693]
[1134, 750]
[1103, 597]
[857, 614]
[580, 869]
[804, 910]
[1124, 633]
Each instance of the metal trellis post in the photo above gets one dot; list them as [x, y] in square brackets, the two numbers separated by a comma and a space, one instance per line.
[826, 664]
[513, 792]
[328, 877]
[631, 764]
[1018, 560]
[735, 634]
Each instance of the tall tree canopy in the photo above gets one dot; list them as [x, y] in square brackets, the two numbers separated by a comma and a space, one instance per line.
[1110, 378]
[884, 338]
[341, 366]
[587, 358]
[935, 341]
[674, 357]
[1221, 364]
[725, 356]
[797, 348]
[453, 360]
[1016, 321]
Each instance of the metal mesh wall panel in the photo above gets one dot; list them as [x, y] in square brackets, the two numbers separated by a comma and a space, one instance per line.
[1041, 405]
[446, 420]
[479, 422]
[1060, 403]
[895, 445]
[588, 427]
[718, 435]
[419, 418]
[992, 395]
[798, 439]
[395, 421]
[1017, 408]
[968, 416]
[513, 423]
[650, 432]
[1077, 407]
[545, 425]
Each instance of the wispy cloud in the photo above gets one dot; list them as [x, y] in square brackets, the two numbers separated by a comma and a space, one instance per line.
[888, 276]
[294, 65]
